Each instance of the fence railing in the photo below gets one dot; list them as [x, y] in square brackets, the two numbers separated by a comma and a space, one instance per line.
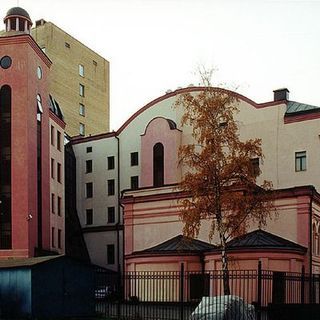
[174, 295]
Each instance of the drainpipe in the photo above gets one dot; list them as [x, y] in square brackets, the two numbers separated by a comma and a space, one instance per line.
[118, 195]
[310, 240]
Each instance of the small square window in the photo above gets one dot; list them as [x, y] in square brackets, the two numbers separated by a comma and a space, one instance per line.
[111, 163]
[59, 239]
[82, 110]
[134, 182]
[111, 214]
[82, 129]
[134, 159]
[59, 172]
[110, 254]
[255, 166]
[58, 140]
[59, 206]
[52, 237]
[89, 149]
[52, 203]
[52, 168]
[52, 135]
[111, 187]
[81, 90]
[89, 216]
[301, 161]
[88, 166]
[89, 190]
[81, 70]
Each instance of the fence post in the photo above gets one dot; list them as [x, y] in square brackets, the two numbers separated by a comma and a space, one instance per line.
[302, 285]
[259, 290]
[182, 291]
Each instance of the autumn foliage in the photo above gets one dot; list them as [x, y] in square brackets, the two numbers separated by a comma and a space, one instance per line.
[222, 170]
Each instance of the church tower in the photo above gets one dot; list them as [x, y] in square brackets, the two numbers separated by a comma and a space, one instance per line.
[24, 141]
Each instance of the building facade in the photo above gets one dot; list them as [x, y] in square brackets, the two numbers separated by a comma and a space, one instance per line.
[147, 187]
[79, 79]
[26, 115]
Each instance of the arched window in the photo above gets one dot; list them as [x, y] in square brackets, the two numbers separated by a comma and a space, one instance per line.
[314, 239]
[5, 167]
[158, 165]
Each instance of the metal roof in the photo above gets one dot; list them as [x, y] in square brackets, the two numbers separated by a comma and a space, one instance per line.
[25, 262]
[297, 107]
[179, 244]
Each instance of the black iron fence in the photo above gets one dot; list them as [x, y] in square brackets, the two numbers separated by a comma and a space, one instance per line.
[175, 295]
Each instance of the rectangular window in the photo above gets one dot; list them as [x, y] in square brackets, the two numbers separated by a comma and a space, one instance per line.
[111, 214]
[59, 173]
[111, 163]
[82, 109]
[88, 166]
[81, 70]
[89, 190]
[111, 188]
[134, 182]
[58, 140]
[255, 166]
[52, 135]
[52, 168]
[52, 203]
[110, 254]
[89, 216]
[301, 161]
[59, 206]
[134, 159]
[89, 149]
[52, 237]
[82, 129]
[59, 239]
[81, 90]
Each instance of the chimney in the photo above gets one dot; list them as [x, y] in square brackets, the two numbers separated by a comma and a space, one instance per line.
[281, 94]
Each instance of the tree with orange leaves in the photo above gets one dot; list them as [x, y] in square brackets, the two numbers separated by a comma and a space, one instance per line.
[221, 176]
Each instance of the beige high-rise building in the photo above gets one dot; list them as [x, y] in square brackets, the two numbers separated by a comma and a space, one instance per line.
[79, 80]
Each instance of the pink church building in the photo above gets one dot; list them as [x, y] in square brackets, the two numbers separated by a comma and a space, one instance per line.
[145, 176]
[29, 117]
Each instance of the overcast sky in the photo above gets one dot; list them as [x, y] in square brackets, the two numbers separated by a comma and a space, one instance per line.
[155, 45]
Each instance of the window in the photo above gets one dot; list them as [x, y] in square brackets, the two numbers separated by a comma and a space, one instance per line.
[52, 203]
[67, 45]
[59, 173]
[59, 239]
[89, 216]
[111, 214]
[89, 190]
[52, 168]
[255, 166]
[52, 135]
[81, 70]
[82, 129]
[52, 237]
[58, 140]
[110, 254]
[59, 206]
[158, 165]
[111, 163]
[301, 161]
[134, 159]
[111, 187]
[82, 110]
[88, 166]
[81, 90]
[134, 182]
[89, 149]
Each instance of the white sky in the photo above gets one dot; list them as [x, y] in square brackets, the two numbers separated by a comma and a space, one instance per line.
[156, 45]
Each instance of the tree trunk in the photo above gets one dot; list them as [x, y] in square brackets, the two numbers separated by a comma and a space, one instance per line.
[225, 270]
